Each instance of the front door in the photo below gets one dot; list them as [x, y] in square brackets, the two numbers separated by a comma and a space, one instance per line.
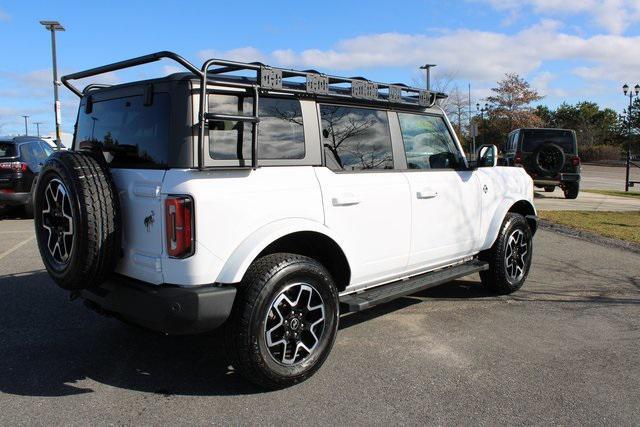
[446, 203]
[366, 201]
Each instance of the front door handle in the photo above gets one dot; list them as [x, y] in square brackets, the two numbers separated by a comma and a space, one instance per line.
[346, 199]
[427, 193]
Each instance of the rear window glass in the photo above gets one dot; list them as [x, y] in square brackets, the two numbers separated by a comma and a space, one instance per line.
[280, 132]
[533, 138]
[130, 134]
[7, 149]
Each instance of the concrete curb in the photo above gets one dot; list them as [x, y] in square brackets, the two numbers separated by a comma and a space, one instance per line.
[589, 237]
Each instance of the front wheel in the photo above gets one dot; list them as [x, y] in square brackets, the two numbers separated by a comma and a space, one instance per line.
[284, 320]
[510, 256]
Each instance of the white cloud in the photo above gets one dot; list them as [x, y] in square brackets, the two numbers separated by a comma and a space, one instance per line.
[242, 54]
[614, 16]
[481, 56]
[4, 16]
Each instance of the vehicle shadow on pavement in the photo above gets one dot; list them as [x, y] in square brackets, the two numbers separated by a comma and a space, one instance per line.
[52, 347]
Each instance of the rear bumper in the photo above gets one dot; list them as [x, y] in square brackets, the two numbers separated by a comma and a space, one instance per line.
[14, 198]
[165, 308]
[558, 180]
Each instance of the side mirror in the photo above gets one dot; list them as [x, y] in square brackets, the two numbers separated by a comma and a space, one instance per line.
[487, 156]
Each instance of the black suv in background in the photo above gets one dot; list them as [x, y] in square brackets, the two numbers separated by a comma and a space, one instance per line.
[550, 157]
[21, 159]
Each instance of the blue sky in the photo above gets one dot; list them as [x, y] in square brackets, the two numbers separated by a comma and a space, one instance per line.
[569, 50]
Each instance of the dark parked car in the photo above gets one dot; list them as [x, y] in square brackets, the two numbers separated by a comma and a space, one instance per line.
[550, 157]
[21, 159]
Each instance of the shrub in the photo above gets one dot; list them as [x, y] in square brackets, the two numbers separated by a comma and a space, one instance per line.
[599, 152]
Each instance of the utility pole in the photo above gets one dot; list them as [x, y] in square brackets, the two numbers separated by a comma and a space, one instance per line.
[471, 130]
[427, 68]
[37, 128]
[26, 127]
[54, 26]
[630, 94]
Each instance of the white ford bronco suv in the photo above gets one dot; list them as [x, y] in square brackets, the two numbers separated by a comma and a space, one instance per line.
[270, 201]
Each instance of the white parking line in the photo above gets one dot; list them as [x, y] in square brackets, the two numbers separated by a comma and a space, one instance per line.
[16, 247]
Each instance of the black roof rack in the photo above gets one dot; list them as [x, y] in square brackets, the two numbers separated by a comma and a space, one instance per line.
[274, 78]
[268, 79]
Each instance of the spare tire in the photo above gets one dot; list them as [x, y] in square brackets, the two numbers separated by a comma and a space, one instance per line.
[77, 219]
[549, 159]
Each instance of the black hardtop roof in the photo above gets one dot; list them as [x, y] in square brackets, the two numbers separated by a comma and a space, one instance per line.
[560, 129]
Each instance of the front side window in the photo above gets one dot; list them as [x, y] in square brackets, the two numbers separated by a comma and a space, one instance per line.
[280, 132]
[356, 138]
[428, 143]
[129, 133]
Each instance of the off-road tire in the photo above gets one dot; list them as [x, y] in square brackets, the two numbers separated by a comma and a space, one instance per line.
[93, 200]
[551, 150]
[245, 329]
[549, 189]
[496, 277]
[571, 190]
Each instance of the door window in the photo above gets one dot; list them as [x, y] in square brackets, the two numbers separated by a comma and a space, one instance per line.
[428, 143]
[280, 132]
[356, 138]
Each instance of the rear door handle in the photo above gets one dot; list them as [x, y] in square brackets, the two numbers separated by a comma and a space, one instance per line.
[345, 200]
[427, 193]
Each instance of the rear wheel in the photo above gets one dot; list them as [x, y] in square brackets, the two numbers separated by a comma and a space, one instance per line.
[510, 256]
[284, 320]
[571, 190]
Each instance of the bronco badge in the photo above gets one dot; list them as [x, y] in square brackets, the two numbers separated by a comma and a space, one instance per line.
[148, 221]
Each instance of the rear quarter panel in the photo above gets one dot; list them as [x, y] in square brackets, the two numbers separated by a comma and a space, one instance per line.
[231, 206]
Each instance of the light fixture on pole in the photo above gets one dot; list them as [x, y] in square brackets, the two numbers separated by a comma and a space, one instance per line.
[427, 68]
[26, 127]
[54, 26]
[631, 94]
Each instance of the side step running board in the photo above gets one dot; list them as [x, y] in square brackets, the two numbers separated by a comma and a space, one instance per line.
[385, 293]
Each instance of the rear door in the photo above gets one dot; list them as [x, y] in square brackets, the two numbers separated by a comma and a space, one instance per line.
[366, 200]
[134, 139]
[445, 202]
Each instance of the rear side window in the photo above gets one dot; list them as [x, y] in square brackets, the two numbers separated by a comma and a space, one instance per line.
[32, 153]
[130, 134]
[427, 142]
[280, 132]
[533, 138]
[7, 149]
[356, 138]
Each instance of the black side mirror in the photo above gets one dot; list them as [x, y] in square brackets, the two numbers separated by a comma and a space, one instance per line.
[487, 156]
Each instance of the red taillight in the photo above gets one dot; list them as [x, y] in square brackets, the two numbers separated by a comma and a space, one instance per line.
[518, 158]
[14, 166]
[179, 223]
[576, 161]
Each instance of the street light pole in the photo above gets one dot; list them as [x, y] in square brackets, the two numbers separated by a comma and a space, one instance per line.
[484, 127]
[37, 128]
[54, 26]
[427, 68]
[631, 95]
[26, 127]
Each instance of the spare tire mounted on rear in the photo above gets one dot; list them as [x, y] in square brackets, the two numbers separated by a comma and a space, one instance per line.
[77, 219]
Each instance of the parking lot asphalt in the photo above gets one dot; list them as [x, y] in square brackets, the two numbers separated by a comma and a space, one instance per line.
[564, 349]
